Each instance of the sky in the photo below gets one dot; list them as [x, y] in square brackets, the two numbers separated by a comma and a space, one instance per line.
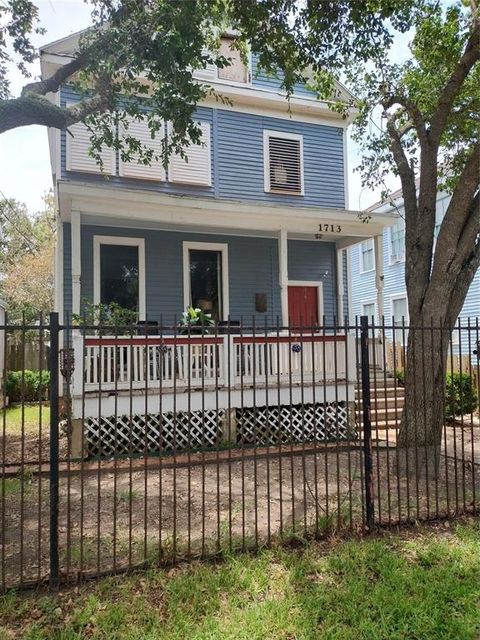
[24, 157]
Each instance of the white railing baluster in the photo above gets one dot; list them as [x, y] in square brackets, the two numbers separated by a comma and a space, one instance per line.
[206, 360]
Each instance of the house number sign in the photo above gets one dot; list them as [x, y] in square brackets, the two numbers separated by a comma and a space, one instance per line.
[330, 228]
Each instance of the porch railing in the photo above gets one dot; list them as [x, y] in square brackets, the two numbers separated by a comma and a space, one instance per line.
[172, 362]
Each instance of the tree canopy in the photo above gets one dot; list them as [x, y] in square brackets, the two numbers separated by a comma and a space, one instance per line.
[26, 259]
[151, 49]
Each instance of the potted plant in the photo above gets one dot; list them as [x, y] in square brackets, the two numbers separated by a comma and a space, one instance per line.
[106, 318]
[194, 320]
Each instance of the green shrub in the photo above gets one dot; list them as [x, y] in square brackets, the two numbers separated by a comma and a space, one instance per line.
[29, 386]
[460, 395]
[400, 377]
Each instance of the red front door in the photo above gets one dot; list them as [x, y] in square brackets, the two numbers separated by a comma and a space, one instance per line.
[303, 306]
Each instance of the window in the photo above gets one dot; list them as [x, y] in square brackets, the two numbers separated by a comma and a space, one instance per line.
[77, 158]
[155, 171]
[237, 70]
[399, 311]
[283, 155]
[119, 268]
[368, 309]
[397, 242]
[196, 168]
[367, 255]
[206, 278]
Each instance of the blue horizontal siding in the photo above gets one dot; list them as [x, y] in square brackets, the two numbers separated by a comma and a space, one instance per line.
[274, 82]
[253, 268]
[238, 161]
[315, 261]
[363, 284]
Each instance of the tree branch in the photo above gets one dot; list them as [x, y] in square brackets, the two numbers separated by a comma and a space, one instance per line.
[413, 111]
[34, 108]
[470, 56]
[55, 81]
[457, 212]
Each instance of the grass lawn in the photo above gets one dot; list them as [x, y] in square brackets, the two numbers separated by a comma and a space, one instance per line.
[31, 419]
[420, 584]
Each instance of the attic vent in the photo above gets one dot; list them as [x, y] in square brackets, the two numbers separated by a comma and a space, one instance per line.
[284, 163]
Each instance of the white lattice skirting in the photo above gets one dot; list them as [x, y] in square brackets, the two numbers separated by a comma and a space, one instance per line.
[297, 423]
[209, 429]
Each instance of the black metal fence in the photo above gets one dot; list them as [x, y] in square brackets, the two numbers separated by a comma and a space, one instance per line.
[146, 444]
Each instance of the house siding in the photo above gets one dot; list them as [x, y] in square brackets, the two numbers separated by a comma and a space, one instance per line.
[274, 82]
[346, 305]
[364, 289]
[315, 261]
[253, 268]
[238, 164]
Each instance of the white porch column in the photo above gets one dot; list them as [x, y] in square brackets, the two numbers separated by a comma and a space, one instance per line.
[378, 249]
[59, 270]
[283, 273]
[76, 261]
[340, 287]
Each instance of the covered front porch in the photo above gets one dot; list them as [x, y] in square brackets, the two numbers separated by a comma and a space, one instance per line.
[275, 282]
[241, 263]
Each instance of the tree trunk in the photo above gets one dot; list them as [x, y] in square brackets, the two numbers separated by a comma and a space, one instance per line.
[420, 435]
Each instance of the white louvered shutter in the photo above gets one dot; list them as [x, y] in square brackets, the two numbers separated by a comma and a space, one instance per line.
[77, 158]
[198, 169]
[154, 171]
[284, 165]
[209, 73]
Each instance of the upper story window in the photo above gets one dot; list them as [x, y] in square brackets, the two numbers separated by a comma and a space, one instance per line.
[367, 256]
[369, 310]
[194, 168]
[237, 71]
[283, 162]
[77, 156]
[397, 241]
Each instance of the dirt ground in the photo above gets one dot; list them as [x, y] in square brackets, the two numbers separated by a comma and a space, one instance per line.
[116, 517]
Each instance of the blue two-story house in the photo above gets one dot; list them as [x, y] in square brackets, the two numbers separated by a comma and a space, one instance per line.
[253, 229]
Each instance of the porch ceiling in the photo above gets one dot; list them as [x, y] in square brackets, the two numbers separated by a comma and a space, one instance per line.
[132, 207]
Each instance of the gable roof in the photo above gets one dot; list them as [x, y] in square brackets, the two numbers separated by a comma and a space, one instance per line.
[66, 47]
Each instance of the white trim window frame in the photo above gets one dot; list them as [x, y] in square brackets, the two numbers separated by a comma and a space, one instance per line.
[282, 135]
[369, 303]
[211, 72]
[370, 251]
[248, 67]
[319, 286]
[395, 240]
[395, 298]
[206, 246]
[98, 241]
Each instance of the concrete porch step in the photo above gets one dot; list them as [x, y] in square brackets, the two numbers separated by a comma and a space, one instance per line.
[390, 401]
[381, 392]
